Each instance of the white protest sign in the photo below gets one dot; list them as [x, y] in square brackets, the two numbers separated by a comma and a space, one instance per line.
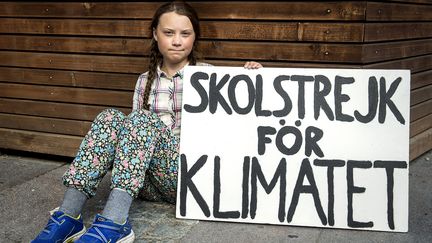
[310, 147]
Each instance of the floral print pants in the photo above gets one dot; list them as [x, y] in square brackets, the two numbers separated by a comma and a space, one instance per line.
[141, 150]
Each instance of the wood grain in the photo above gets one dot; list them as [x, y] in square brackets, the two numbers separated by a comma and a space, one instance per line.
[110, 81]
[61, 63]
[67, 95]
[39, 142]
[54, 109]
[44, 124]
[251, 10]
[420, 125]
[420, 144]
[379, 11]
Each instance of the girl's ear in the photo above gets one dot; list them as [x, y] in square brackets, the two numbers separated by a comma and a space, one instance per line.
[154, 34]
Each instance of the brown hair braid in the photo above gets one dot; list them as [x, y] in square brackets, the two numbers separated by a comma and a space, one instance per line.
[156, 57]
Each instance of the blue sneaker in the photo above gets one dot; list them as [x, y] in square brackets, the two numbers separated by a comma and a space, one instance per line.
[105, 230]
[61, 228]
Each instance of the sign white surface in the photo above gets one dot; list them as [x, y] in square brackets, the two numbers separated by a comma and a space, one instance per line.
[310, 147]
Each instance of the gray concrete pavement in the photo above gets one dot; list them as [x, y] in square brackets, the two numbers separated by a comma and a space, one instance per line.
[30, 187]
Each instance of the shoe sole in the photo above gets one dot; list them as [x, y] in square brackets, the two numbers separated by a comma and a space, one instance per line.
[75, 236]
[128, 239]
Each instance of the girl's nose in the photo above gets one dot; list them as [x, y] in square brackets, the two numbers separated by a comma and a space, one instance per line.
[176, 40]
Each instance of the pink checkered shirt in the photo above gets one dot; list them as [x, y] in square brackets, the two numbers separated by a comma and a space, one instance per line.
[165, 96]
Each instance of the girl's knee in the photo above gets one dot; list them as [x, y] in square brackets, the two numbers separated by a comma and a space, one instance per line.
[142, 117]
[139, 113]
[110, 114]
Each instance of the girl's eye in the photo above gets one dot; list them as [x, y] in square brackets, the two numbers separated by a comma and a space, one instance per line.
[168, 33]
[186, 34]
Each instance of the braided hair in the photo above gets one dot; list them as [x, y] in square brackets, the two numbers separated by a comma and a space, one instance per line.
[156, 57]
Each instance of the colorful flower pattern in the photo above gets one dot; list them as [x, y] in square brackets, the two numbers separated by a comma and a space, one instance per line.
[141, 150]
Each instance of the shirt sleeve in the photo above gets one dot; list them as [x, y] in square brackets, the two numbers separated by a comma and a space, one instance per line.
[138, 98]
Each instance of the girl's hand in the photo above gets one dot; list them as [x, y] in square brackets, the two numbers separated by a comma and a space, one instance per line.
[252, 65]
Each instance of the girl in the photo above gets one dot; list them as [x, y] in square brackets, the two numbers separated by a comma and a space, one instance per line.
[142, 147]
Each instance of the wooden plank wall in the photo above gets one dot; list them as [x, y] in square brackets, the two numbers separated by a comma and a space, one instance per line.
[63, 62]
[398, 34]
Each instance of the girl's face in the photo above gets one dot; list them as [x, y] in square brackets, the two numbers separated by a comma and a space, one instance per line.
[175, 37]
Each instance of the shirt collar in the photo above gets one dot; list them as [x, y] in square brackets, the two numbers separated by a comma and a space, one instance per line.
[179, 73]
